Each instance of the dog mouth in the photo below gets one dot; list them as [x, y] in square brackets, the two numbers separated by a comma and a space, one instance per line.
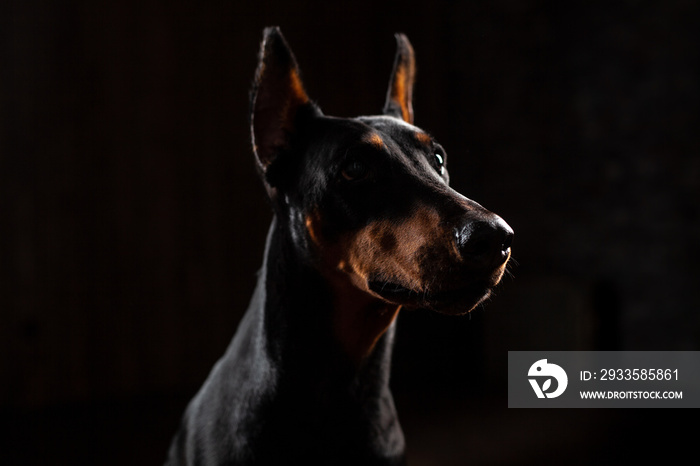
[458, 300]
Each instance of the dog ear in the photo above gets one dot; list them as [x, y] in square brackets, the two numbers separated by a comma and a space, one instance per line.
[399, 97]
[276, 99]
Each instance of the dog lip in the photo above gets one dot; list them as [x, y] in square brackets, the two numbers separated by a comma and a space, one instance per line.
[392, 291]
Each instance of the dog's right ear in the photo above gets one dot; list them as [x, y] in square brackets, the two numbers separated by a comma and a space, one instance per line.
[276, 99]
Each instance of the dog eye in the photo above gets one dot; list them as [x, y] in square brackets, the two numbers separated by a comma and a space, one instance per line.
[440, 162]
[355, 170]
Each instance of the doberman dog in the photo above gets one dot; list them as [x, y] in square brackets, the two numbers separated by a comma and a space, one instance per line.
[364, 224]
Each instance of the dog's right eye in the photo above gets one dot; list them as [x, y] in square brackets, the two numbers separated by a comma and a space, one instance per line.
[355, 170]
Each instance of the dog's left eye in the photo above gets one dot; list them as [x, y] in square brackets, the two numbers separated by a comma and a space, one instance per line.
[440, 162]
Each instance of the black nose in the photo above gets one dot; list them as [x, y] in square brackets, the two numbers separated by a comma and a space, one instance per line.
[484, 243]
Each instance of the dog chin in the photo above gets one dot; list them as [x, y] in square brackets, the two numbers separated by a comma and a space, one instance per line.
[458, 306]
[453, 302]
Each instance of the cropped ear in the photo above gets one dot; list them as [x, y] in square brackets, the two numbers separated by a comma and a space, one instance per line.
[399, 97]
[276, 99]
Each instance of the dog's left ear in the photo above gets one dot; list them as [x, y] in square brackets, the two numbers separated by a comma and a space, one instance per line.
[276, 99]
[399, 97]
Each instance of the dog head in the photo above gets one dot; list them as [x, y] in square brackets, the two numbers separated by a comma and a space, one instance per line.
[367, 199]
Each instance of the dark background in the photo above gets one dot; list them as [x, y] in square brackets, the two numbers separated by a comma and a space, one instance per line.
[132, 222]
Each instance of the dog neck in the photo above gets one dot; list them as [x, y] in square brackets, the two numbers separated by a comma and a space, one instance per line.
[311, 321]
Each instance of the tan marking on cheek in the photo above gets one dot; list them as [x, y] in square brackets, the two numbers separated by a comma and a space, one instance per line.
[368, 254]
[374, 139]
[335, 256]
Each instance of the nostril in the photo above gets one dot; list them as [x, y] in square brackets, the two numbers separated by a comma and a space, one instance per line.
[507, 241]
[479, 247]
[475, 239]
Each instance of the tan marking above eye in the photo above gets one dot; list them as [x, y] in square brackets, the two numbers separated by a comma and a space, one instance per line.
[423, 138]
[374, 139]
